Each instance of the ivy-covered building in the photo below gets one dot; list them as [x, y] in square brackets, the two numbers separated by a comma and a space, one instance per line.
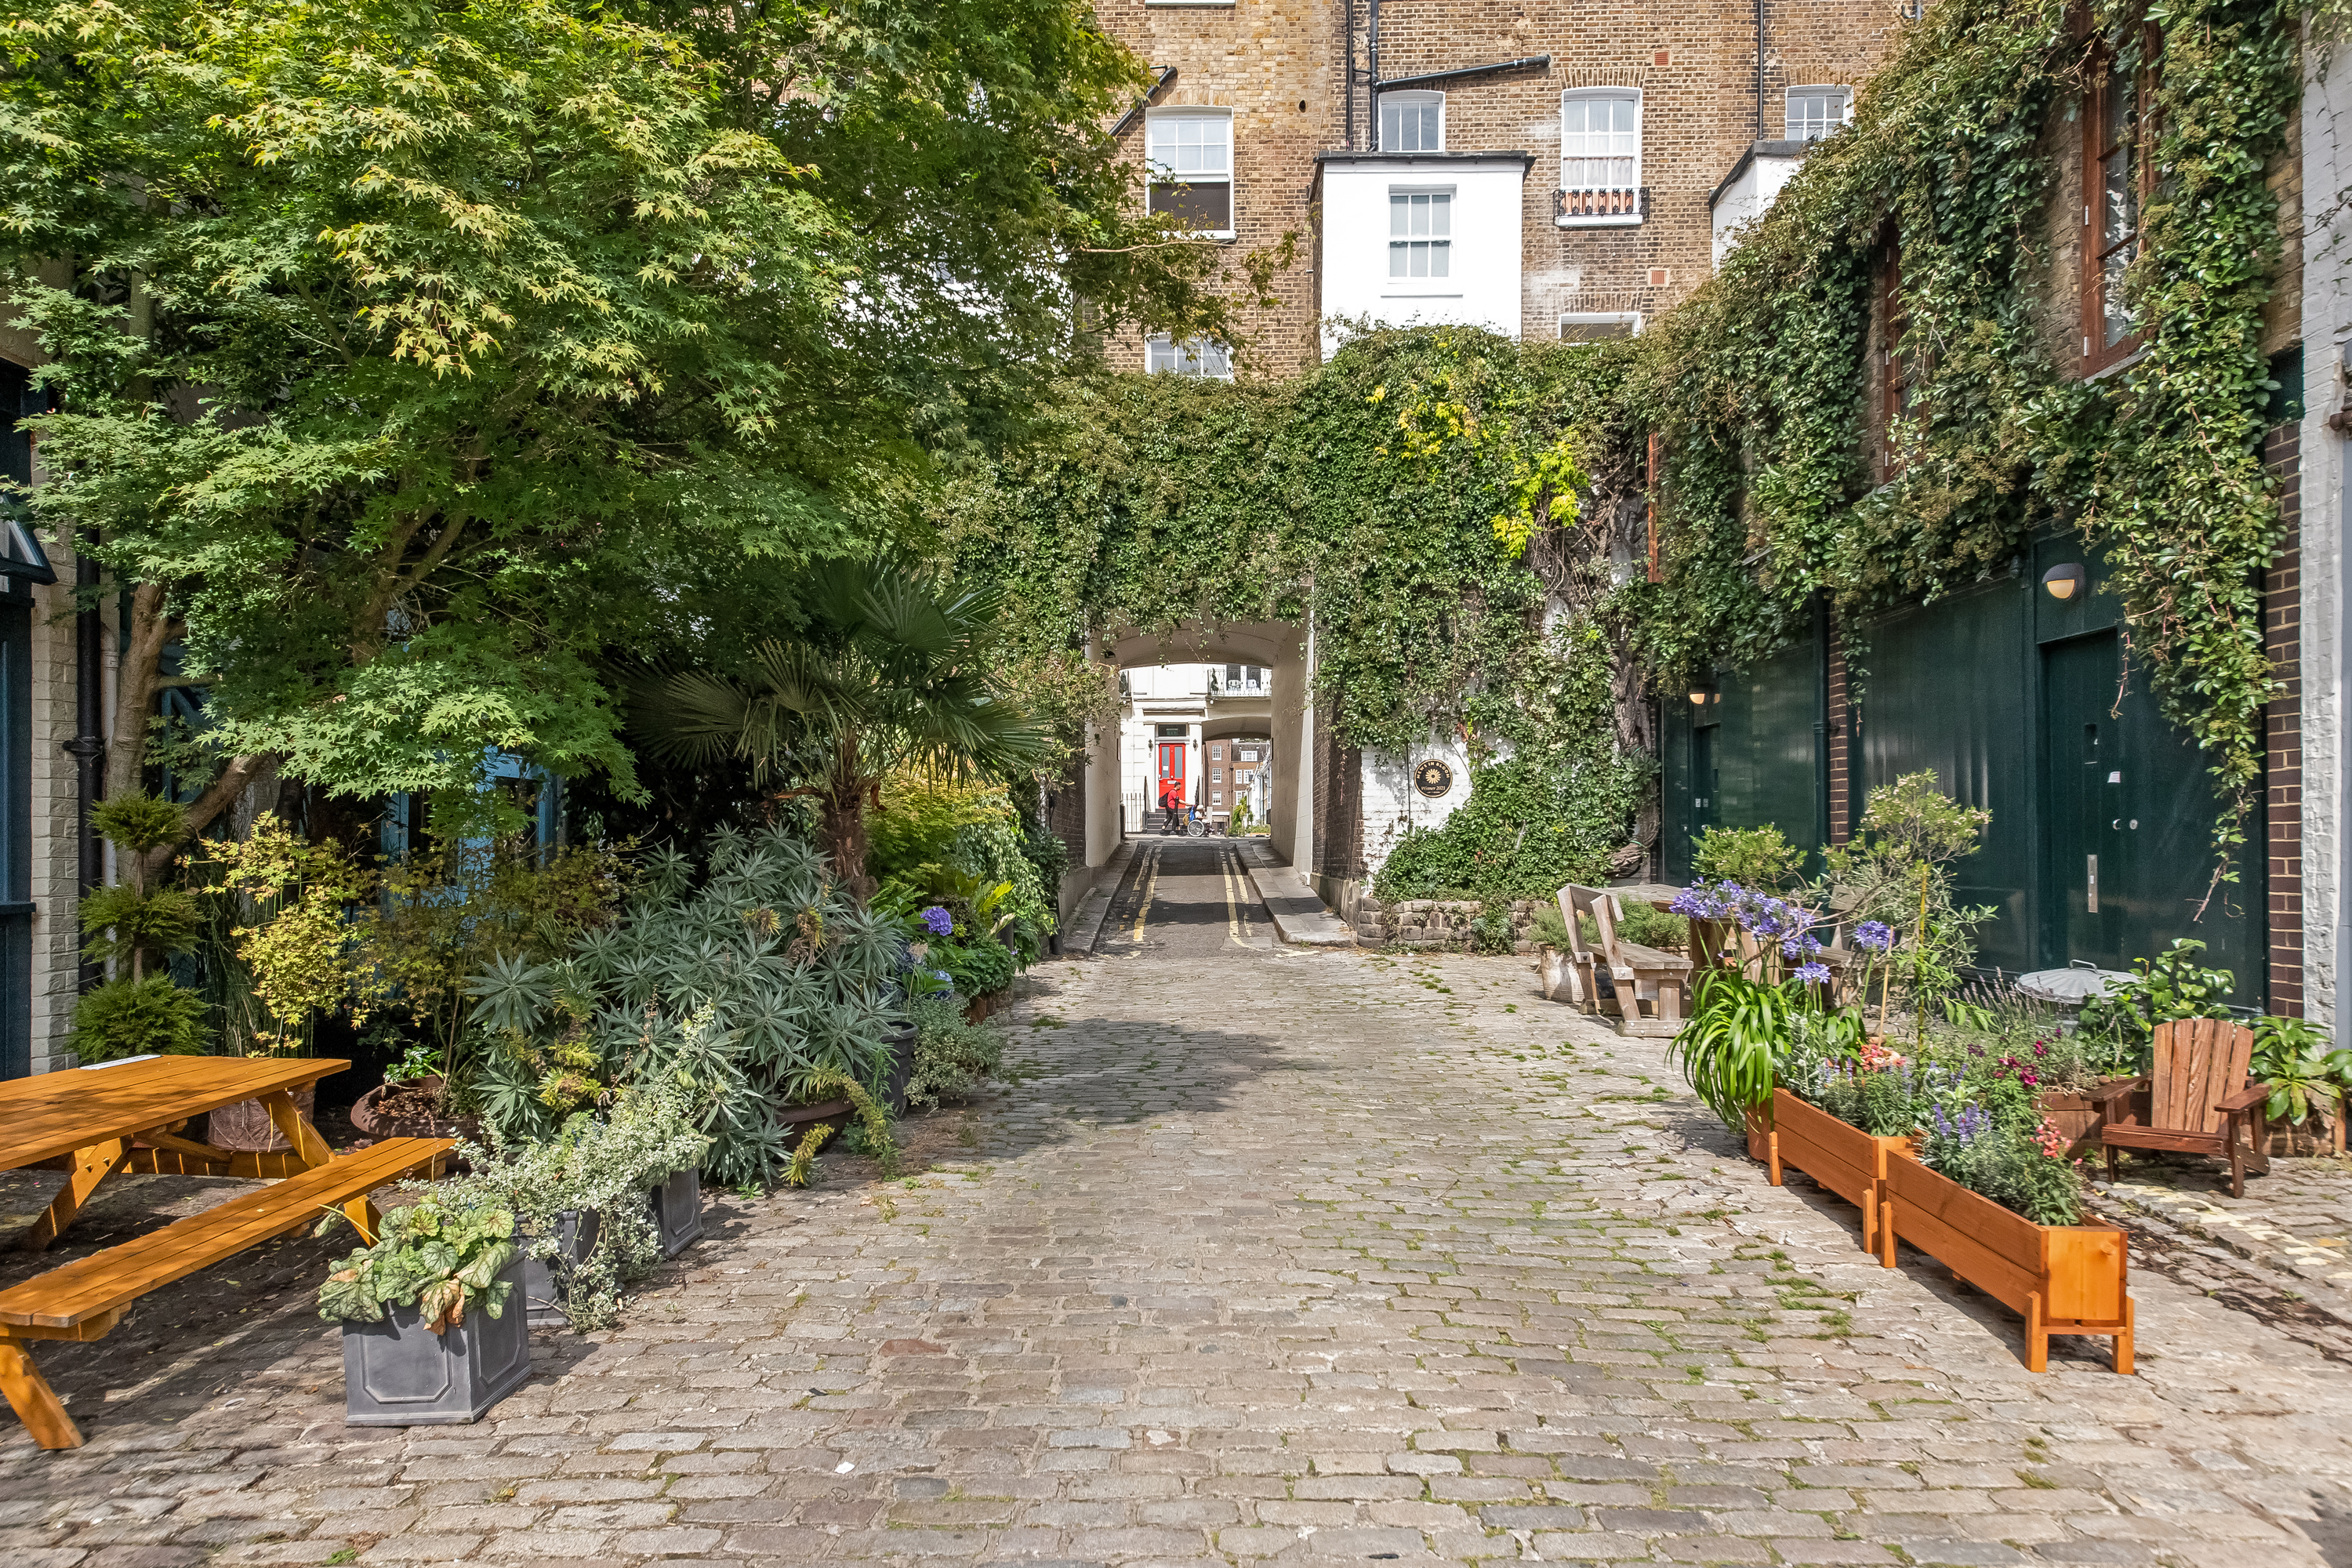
[2015, 486]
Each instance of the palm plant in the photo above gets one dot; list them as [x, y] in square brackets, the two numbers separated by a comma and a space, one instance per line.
[896, 670]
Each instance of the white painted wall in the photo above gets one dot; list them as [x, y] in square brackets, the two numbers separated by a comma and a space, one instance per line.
[2326, 327]
[1747, 198]
[1483, 285]
[1392, 806]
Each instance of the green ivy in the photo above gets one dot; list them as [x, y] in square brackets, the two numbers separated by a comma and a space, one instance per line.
[1954, 153]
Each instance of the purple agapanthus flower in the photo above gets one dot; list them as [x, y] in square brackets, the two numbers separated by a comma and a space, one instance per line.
[940, 922]
[1813, 973]
[1800, 946]
[1875, 935]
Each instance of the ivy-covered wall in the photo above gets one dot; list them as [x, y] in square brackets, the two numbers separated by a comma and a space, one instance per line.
[1465, 521]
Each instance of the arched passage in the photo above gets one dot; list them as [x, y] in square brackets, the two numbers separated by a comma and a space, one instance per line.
[1281, 714]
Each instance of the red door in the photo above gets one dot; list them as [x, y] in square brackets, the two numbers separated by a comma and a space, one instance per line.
[1172, 767]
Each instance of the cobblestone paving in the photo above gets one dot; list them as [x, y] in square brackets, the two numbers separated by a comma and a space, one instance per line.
[2296, 1220]
[1323, 1257]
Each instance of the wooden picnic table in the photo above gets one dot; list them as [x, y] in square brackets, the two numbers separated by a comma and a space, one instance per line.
[125, 1116]
[94, 1119]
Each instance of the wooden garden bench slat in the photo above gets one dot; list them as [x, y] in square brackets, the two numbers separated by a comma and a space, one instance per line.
[83, 1300]
[66, 1296]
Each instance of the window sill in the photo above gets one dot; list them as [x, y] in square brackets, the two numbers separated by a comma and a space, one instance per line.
[2118, 367]
[1188, 5]
[1613, 220]
[1453, 296]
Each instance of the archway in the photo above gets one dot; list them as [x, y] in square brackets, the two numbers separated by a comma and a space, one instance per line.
[1279, 711]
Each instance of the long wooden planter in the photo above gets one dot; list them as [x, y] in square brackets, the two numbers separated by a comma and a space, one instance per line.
[1844, 1159]
[2064, 1280]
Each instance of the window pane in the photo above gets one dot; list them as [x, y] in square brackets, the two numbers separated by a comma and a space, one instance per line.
[1440, 264]
[1441, 214]
[1208, 203]
[1193, 145]
[2114, 320]
[2118, 199]
[1399, 258]
[1601, 142]
[1399, 214]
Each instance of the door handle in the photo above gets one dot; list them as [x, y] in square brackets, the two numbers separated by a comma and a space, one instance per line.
[2091, 863]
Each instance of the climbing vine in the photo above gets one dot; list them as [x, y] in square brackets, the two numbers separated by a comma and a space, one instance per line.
[1946, 184]
[1425, 494]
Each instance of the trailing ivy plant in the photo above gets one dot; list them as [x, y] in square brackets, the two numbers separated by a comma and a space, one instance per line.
[1945, 183]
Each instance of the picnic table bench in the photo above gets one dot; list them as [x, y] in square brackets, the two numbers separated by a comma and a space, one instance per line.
[99, 1120]
[1637, 974]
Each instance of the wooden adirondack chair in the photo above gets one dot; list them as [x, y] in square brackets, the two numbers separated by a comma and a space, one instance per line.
[2198, 1100]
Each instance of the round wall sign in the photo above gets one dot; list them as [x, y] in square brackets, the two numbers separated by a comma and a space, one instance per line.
[1433, 778]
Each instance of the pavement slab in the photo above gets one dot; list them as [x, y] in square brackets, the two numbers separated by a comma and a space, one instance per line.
[1255, 1253]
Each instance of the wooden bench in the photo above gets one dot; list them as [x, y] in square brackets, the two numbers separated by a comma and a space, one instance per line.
[83, 1300]
[1638, 975]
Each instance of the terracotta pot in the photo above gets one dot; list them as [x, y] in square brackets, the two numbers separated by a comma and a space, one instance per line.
[246, 1126]
[2064, 1280]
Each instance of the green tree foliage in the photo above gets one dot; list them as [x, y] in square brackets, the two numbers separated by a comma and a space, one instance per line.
[895, 670]
[407, 353]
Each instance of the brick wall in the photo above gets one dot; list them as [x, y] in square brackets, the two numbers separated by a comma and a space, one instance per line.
[1695, 64]
[1263, 59]
[2283, 769]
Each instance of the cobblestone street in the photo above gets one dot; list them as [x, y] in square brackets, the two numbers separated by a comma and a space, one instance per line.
[1256, 1253]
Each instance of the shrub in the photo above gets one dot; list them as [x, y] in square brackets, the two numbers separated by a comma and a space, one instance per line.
[951, 1055]
[1530, 826]
[1758, 858]
[138, 1017]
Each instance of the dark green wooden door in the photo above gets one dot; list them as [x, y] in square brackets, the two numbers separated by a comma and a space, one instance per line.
[1704, 813]
[2091, 849]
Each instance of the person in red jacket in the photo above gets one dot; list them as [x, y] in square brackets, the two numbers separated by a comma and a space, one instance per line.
[1172, 801]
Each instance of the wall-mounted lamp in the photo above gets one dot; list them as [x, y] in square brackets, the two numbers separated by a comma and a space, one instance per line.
[1705, 690]
[2064, 583]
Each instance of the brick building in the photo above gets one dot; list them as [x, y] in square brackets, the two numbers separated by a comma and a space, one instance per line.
[1619, 144]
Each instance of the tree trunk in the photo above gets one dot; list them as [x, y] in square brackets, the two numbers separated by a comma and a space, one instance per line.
[840, 821]
[134, 690]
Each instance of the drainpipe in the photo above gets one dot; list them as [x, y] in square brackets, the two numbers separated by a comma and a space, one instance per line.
[1372, 77]
[88, 748]
[1759, 71]
[1820, 722]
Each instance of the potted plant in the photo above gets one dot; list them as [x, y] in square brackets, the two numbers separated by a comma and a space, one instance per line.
[2001, 1205]
[427, 1338]
[584, 1199]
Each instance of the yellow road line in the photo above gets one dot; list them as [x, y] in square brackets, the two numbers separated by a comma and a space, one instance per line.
[1151, 890]
[1233, 909]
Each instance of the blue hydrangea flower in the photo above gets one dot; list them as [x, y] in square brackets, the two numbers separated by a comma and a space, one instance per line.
[940, 922]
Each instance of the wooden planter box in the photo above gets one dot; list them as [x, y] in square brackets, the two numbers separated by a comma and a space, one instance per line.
[2064, 1280]
[1844, 1159]
[2078, 1116]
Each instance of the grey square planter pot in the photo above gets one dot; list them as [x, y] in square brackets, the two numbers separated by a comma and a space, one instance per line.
[677, 1205]
[398, 1372]
[545, 1280]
